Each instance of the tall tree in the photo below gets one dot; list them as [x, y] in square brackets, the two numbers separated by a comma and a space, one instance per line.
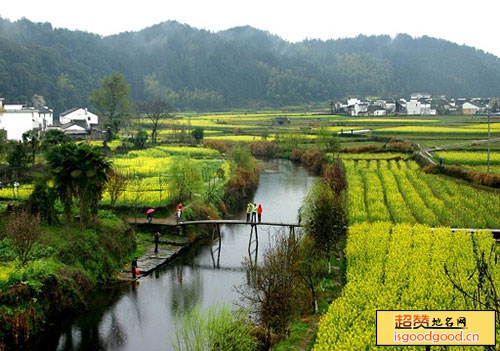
[79, 171]
[325, 218]
[54, 137]
[271, 293]
[30, 138]
[155, 111]
[197, 134]
[116, 185]
[18, 161]
[112, 100]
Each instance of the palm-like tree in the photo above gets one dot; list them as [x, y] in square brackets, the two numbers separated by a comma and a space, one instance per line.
[80, 172]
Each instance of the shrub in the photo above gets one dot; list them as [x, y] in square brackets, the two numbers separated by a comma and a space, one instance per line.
[263, 149]
[202, 210]
[219, 145]
[334, 175]
[360, 149]
[314, 159]
[400, 146]
[220, 329]
[239, 188]
[480, 178]
[23, 230]
[296, 155]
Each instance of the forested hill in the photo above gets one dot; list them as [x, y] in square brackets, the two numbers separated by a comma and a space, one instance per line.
[239, 67]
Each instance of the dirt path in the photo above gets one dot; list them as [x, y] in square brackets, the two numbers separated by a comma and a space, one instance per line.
[165, 220]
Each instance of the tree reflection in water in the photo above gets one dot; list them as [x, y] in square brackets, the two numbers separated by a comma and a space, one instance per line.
[186, 289]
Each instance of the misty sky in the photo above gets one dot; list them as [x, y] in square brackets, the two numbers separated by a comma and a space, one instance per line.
[473, 23]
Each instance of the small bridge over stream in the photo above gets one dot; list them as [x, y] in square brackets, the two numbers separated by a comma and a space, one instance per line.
[253, 242]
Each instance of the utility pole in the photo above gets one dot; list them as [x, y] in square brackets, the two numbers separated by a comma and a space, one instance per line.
[489, 134]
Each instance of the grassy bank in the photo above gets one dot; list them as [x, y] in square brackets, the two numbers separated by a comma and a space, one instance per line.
[65, 264]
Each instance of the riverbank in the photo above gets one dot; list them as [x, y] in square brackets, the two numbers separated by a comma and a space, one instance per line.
[142, 315]
[64, 266]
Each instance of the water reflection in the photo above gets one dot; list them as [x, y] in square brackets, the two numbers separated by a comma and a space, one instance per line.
[142, 317]
[186, 289]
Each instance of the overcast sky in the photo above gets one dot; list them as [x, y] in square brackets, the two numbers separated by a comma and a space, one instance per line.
[474, 23]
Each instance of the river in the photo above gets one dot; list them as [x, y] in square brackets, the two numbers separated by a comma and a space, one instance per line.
[142, 316]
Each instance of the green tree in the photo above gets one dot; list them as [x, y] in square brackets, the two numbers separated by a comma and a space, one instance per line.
[197, 134]
[156, 111]
[310, 268]
[156, 91]
[325, 218]
[30, 138]
[185, 178]
[18, 161]
[42, 201]
[242, 157]
[112, 100]
[140, 139]
[272, 293]
[79, 171]
[54, 137]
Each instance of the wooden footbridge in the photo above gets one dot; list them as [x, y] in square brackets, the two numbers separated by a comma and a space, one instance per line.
[253, 242]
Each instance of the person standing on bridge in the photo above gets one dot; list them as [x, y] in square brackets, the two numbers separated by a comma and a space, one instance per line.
[249, 211]
[259, 212]
[254, 212]
[179, 213]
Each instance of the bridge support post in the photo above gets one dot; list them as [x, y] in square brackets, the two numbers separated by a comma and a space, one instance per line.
[216, 231]
[252, 254]
[220, 245]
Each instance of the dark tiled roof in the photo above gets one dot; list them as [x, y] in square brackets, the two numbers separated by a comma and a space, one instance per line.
[80, 123]
[67, 112]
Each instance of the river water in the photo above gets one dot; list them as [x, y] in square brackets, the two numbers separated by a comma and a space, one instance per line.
[142, 317]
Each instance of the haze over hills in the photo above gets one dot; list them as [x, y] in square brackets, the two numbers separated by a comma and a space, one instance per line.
[238, 67]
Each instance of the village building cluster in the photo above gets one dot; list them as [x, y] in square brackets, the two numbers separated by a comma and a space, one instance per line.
[78, 123]
[419, 104]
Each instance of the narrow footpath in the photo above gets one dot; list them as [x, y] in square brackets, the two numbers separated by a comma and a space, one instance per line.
[168, 250]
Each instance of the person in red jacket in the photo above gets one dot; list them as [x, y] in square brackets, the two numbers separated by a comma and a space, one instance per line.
[179, 213]
[259, 212]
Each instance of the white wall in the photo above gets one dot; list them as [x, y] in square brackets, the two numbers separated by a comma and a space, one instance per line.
[17, 123]
[80, 114]
[413, 107]
[353, 101]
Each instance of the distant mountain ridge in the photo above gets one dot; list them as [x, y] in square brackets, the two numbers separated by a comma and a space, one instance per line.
[238, 67]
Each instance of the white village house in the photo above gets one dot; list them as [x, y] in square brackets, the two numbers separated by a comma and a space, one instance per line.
[470, 108]
[79, 114]
[79, 123]
[419, 107]
[16, 119]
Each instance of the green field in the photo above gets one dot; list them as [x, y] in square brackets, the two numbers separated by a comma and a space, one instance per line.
[400, 192]
[399, 268]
